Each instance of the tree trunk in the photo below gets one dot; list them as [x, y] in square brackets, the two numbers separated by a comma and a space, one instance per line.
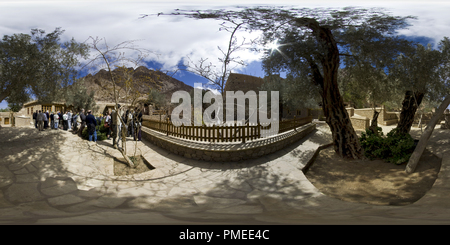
[374, 124]
[346, 142]
[3, 96]
[345, 139]
[414, 159]
[410, 104]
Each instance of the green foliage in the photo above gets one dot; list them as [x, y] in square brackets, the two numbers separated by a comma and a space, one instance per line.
[37, 65]
[156, 97]
[102, 132]
[290, 88]
[77, 96]
[373, 144]
[15, 107]
[418, 69]
[394, 148]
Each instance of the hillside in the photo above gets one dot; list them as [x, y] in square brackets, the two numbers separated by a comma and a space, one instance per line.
[143, 79]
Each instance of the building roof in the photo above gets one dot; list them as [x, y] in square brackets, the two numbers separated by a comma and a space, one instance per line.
[36, 102]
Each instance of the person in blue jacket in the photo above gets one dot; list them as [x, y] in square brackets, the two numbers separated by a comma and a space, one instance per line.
[91, 123]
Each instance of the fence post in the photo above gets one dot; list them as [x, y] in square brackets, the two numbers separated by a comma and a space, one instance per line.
[259, 130]
[243, 133]
[213, 132]
[167, 123]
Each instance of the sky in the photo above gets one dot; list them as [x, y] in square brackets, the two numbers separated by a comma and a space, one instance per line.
[171, 39]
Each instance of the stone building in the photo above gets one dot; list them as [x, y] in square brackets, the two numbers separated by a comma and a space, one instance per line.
[24, 118]
[5, 119]
[32, 106]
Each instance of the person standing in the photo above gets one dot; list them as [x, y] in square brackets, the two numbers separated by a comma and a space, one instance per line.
[56, 120]
[46, 120]
[91, 123]
[52, 123]
[75, 123]
[69, 120]
[60, 118]
[83, 122]
[130, 123]
[35, 119]
[138, 123]
[65, 121]
[108, 124]
[115, 126]
[40, 120]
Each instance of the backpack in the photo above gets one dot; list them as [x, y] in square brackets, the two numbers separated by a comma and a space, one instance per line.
[55, 117]
[65, 117]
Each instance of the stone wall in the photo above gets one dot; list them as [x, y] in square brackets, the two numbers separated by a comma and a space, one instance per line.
[445, 124]
[5, 119]
[384, 118]
[228, 151]
[23, 121]
[360, 123]
[18, 120]
[367, 112]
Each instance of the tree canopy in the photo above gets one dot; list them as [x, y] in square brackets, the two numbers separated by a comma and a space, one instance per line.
[37, 65]
[311, 44]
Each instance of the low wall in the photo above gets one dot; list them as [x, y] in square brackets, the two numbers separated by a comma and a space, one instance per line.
[384, 118]
[360, 123]
[23, 121]
[368, 112]
[445, 124]
[16, 120]
[226, 152]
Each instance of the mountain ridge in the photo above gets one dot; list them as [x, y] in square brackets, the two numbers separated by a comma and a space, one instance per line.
[142, 80]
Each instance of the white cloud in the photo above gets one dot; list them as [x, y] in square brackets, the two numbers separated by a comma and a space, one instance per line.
[172, 38]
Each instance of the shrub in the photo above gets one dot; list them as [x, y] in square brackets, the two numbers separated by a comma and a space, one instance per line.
[395, 147]
[101, 131]
[401, 146]
[374, 144]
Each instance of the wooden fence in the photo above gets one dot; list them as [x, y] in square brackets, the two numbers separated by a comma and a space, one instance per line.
[229, 133]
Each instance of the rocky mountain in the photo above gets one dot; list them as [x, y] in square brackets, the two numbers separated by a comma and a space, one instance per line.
[139, 81]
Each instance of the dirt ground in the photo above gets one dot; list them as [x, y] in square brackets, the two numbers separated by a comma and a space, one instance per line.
[373, 182]
[121, 166]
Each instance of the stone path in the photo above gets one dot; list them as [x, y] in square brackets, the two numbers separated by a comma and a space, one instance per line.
[54, 177]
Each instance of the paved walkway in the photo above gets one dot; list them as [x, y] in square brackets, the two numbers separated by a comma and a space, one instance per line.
[54, 177]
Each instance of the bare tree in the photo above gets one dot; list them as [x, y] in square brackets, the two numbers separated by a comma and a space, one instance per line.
[217, 77]
[109, 57]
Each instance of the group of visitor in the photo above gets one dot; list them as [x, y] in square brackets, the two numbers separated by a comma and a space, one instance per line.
[130, 125]
[124, 124]
[54, 120]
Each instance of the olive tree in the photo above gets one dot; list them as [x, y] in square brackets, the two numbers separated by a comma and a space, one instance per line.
[418, 74]
[37, 65]
[312, 40]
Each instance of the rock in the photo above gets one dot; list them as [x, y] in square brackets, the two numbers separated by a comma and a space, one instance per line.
[56, 187]
[23, 192]
[64, 200]
[6, 176]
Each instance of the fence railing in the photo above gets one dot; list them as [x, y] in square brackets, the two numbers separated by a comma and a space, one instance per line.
[227, 133]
